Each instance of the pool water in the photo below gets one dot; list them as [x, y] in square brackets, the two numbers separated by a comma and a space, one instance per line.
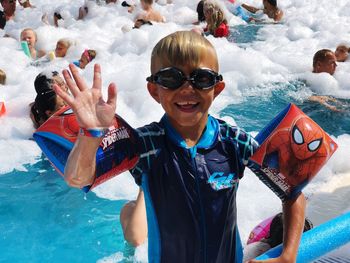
[43, 220]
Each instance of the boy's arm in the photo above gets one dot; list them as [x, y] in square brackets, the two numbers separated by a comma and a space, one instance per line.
[294, 218]
[92, 112]
[251, 9]
[80, 169]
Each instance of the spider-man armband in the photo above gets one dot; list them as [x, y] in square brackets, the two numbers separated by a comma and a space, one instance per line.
[293, 148]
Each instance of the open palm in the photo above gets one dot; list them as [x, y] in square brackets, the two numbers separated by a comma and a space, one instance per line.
[88, 105]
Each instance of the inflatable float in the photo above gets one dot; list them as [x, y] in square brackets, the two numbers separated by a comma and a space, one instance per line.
[293, 148]
[56, 139]
[2, 108]
[319, 241]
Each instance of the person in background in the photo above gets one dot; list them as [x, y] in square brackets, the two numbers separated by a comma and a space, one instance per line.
[8, 13]
[2, 77]
[84, 10]
[324, 60]
[62, 47]
[148, 14]
[200, 12]
[188, 164]
[342, 53]
[47, 102]
[86, 57]
[270, 9]
[273, 238]
[30, 36]
[216, 20]
[25, 4]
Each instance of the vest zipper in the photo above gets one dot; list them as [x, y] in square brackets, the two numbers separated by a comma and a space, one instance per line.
[193, 153]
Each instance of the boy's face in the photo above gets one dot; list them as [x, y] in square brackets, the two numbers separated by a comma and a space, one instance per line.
[29, 36]
[187, 107]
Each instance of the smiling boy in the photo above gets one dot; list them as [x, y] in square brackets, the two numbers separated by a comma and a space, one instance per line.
[189, 163]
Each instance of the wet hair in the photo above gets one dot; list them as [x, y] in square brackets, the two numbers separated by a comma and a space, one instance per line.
[321, 56]
[272, 2]
[200, 11]
[181, 48]
[217, 16]
[92, 54]
[344, 47]
[276, 230]
[2, 77]
[46, 97]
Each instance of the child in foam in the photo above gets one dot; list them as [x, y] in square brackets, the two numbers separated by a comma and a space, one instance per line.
[30, 38]
[87, 56]
[84, 10]
[62, 47]
[189, 163]
[25, 4]
[46, 101]
[148, 14]
[215, 18]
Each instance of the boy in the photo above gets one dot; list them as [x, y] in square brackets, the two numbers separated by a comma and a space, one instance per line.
[189, 162]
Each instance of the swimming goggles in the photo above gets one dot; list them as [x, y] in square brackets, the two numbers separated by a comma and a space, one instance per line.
[173, 78]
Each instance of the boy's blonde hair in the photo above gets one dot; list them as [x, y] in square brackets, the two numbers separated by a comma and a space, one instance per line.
[2, 77]
[181, 48]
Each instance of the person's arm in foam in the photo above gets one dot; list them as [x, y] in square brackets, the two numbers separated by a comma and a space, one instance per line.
[294, 218]
[93, 113]
[250, 8]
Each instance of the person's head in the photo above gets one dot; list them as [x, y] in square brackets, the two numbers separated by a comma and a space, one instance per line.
[9, 7]
[270, 3]
[145, 4]
[46, 102]
[2, 77]
[185, 78]
[200, 11]
[62, 47]
[25, 3]
[87, 56]
[342, 53]
[214, 15]
[29, 36]
[276, 229]
[324, 61]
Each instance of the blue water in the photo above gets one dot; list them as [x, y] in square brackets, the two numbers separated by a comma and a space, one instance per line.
[44, 220]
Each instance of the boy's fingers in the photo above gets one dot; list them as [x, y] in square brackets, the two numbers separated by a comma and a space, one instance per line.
[97, 84]
[78, 79]
[112, 95]
[70, 83]
[63, 94]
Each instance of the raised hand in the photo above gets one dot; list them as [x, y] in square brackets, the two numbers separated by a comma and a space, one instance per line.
[87, 104]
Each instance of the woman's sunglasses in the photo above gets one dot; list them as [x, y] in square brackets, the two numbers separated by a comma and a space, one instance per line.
[173, 78]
